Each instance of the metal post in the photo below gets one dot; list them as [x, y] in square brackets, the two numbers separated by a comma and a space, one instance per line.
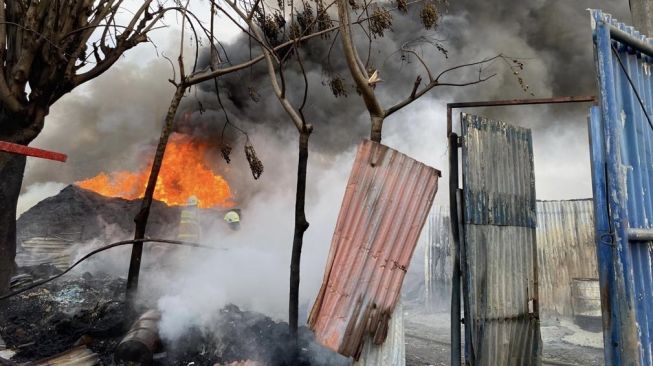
[453, 219]
[508, 102]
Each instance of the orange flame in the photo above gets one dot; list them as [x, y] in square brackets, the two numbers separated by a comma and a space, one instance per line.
[184, 173]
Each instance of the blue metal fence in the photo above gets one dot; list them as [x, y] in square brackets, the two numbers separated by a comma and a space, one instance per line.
[621, 139]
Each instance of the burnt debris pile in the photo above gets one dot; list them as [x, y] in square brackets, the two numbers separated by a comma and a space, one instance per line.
[89, 310]
[244, 335]
[80, 215]
[62, 314]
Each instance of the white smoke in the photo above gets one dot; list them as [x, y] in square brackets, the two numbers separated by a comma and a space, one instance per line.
[35, 193]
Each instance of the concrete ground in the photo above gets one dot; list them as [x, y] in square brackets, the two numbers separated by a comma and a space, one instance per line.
[565, 344]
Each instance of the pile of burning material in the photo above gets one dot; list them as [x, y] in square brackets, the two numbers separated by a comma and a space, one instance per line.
[50, 231]
[78, 215]
[88, 310]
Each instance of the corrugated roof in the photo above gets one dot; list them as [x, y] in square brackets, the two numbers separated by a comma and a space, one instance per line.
[386, 202]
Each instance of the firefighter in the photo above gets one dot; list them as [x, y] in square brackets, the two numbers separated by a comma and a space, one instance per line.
[232, 218]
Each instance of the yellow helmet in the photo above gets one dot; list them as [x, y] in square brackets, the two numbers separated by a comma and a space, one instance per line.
[232, 217]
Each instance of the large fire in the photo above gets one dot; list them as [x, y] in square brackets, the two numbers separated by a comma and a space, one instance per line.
[184, 173]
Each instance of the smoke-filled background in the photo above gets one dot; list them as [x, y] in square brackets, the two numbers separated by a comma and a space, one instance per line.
[113, 122]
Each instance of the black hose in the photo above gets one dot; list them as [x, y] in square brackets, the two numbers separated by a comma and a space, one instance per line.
[101, 249]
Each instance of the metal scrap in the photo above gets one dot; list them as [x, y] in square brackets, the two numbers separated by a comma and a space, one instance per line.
[386, 203]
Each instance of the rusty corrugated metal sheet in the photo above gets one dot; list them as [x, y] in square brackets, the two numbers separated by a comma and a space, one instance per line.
[621, 140]
[386, 202]
[78, 356]
[393, 350]
[499, 250]
[565, 250]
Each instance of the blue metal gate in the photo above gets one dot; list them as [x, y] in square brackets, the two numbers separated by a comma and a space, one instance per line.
[621, 143]
[499, 253]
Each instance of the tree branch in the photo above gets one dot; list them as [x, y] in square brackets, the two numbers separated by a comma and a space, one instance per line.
[415, 94]
[353, 62]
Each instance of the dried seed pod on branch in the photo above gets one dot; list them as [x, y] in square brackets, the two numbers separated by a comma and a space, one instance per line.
[255, 164]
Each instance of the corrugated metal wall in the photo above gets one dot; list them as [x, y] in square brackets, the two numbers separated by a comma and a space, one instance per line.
[565, 250]
[499, 250]
[622, 156]
[438, 260]
[385, 206]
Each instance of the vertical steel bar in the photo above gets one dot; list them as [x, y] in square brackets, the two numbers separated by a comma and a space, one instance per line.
[603, 237]
[455, 280]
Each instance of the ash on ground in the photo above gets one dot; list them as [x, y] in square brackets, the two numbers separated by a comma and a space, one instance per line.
[90, 309]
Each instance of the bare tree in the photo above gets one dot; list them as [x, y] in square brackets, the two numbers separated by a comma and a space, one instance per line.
[276, 35]
[366, 79]
[48, 48]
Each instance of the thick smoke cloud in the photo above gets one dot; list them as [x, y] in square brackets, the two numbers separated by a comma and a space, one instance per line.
[108, 124]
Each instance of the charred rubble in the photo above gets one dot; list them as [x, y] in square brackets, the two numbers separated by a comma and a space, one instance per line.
[90, 310]
[84, 309]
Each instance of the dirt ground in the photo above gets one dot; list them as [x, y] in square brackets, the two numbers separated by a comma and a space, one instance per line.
[565, 344]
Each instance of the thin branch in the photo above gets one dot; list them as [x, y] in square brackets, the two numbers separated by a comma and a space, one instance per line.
[208, 74]
[252, 11]
[294, 116]
[484, 61]
[301, 66]
[421, 60]
[415, 94]
[418, 81]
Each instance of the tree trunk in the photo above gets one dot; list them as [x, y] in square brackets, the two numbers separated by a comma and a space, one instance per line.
[301, 225]
[141, 218]
[12, 168]
[377, 126]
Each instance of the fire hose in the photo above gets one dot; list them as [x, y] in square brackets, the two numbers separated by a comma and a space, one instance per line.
[101, 249]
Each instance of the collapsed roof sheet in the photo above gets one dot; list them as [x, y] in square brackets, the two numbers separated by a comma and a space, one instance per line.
[386, 202]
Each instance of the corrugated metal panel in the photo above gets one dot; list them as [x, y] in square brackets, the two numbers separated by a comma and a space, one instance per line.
[438, 260]
[42, 250]
[393, 350]
[499, 187]
[499, 250]
[622, 142]
[386, 202]
[565, 250]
